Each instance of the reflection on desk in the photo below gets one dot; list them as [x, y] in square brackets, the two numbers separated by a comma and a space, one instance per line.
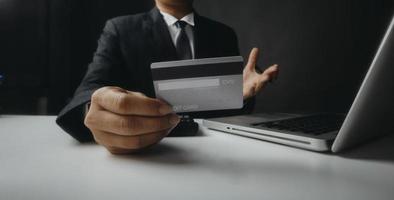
[40, 161]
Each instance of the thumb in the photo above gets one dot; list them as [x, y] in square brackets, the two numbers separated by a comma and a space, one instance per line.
[253, 58]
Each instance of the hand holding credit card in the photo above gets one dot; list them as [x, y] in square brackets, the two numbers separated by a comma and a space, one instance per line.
[200, 84]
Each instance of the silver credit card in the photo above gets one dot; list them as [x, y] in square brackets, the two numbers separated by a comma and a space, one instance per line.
[200, 84]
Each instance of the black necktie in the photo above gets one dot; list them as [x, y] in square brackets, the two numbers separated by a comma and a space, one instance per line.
[183, 48]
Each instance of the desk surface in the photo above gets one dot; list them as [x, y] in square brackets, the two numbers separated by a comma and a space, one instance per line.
[39, 161]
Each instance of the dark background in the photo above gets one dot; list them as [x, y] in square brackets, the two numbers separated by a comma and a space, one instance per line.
[323, 47]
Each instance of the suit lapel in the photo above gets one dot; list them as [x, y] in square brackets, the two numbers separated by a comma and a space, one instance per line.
[201, 40]
[159, 47]
[162, 45]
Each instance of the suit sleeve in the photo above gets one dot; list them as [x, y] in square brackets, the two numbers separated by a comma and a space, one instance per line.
[107, 66]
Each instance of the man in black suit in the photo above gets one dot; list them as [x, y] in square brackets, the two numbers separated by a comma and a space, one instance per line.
[115, 104]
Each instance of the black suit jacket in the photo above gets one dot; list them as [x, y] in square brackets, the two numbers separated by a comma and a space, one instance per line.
[126, 49]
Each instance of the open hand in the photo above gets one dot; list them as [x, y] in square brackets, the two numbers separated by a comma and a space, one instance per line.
[253, 81]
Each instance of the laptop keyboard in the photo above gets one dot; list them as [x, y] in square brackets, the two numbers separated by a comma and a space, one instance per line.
[313, 125]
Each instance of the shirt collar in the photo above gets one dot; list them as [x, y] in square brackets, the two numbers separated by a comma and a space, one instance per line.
[171, 20]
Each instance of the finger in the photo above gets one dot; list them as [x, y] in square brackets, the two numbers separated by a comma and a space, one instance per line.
[269, 74]
[276, 74]
[128, 142]
[144, 96]
[253, 58]
[272, 69]
[131, 124]
[124, 102]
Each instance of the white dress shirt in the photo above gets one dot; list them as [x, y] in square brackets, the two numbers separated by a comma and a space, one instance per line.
[175, 31]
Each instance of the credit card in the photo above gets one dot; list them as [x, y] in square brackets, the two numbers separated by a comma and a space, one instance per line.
[200, 84]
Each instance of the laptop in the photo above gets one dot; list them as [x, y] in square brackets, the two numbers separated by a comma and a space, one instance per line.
[370, 116]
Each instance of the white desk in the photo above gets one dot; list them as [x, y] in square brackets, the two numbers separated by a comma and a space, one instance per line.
[39, 161]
